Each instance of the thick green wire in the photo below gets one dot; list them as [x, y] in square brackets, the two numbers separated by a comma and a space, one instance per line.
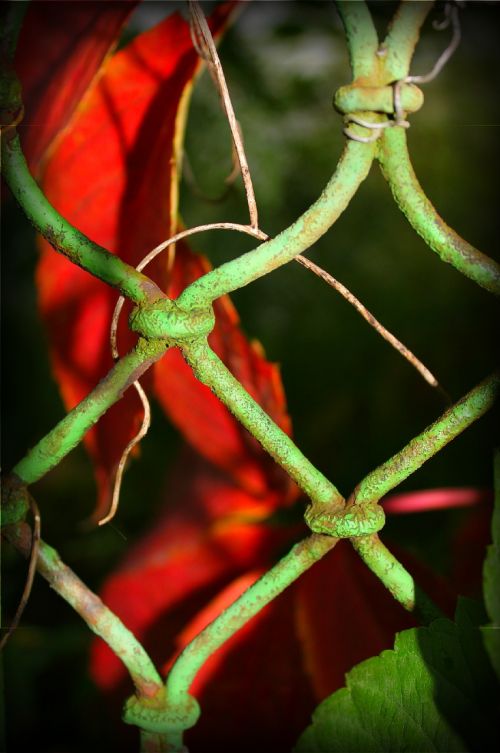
[101, 620]
[299, 559]
[352, 169]
[402, 37]
[210, 370]
[421, 448]
[64, 237]
[423, 217]
[361, 36]
[64, 437]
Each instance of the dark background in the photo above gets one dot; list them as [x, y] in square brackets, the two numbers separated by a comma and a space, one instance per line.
[354, 401]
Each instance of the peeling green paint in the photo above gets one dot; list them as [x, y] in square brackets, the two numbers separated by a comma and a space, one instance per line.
[299, 559]
[210, 370]
[166, 319]
[349, 522]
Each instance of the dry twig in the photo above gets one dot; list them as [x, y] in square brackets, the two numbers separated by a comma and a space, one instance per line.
[361, 309]
[146, 423]
[205, 46]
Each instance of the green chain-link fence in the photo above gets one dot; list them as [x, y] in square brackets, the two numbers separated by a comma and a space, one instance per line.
[375, 106]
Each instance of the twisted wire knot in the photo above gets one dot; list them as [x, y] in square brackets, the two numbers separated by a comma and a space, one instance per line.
[349, 521]
[170, 718]
[377, 127]
[166, 319]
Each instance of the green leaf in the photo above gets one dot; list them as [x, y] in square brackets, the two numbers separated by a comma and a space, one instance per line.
[491, 578]
[434, 692]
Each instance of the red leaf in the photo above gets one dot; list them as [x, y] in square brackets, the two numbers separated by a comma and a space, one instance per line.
[61, 48]
[426, 500]
[113, 174]
[204, 540]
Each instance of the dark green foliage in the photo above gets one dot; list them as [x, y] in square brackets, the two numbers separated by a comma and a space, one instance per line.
[434, 692]
[491, 579]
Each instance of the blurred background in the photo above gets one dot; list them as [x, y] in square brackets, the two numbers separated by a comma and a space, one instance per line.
[354, 401]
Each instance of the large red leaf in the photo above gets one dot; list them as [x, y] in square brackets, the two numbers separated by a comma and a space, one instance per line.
[61, 48]
[211, 532]
[113, 174]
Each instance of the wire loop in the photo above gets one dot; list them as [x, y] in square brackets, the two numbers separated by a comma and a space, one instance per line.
[377, 126]
[451, 17]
